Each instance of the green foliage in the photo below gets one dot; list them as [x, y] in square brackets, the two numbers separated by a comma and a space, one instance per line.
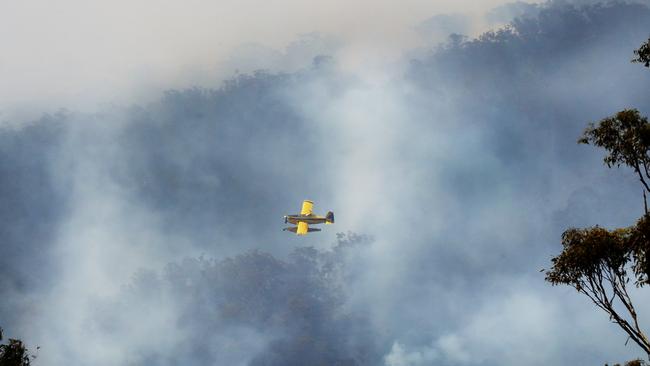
[636, 362]
[587, 254]
[639, 244]
[14, 353]
[626, 137]
[596, 261]
[591, 252]
[643, 54]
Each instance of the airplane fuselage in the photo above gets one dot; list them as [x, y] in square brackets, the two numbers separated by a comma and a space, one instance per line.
[309, 219]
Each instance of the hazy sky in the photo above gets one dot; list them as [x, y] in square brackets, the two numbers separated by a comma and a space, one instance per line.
[77, 53]
[460, 161]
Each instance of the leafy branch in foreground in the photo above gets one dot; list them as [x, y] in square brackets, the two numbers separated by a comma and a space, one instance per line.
[14, 353]
[626, 136]
[636, 362]
[596, 262]
[643, 54]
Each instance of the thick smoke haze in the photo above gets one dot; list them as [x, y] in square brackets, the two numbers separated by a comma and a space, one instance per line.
[81, 55]
[149, 231]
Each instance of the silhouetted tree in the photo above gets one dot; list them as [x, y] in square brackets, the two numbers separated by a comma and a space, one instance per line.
[626, 136]
[632, 363]
[643, 54]
[14, 353]
[598, 262]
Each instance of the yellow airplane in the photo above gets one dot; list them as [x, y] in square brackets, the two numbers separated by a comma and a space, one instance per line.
[305, 218]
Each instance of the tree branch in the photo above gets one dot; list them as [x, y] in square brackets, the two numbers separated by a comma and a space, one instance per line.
[637, 169]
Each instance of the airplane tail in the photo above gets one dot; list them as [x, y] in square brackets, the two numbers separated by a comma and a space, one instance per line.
[329, 218]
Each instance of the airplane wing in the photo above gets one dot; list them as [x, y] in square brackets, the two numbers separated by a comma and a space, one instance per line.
[294, 229]
[307, 207]
[303, 228]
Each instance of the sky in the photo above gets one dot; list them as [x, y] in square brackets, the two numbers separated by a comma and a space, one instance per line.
[80, 55]
[147, 160]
